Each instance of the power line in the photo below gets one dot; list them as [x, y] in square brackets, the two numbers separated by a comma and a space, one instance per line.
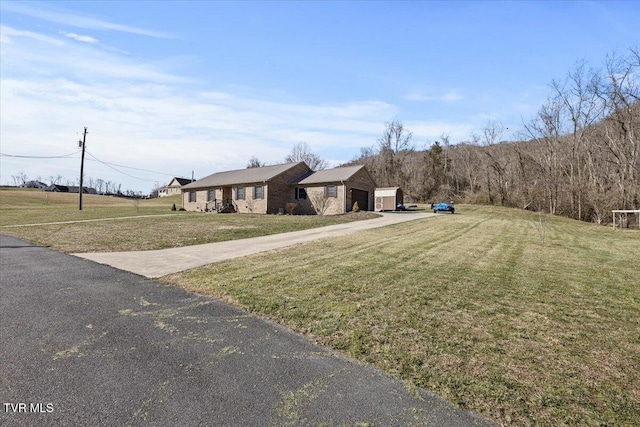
[109, 165]
[117, 170]
[94, 158]
[131, 167]
[39, 157]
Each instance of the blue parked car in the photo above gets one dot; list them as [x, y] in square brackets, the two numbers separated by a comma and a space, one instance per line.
[443, 207]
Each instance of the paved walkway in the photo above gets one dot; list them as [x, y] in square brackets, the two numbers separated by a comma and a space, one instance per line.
[161, 262]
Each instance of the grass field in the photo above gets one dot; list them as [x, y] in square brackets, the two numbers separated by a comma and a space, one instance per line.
[470, 306]
[20, 206]
[135, 230]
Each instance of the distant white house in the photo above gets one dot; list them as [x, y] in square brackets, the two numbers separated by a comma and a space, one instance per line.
[34, 184]
[174, 187]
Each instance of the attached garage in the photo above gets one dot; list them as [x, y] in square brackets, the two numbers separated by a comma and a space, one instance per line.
[362, 197]
[388, 198]
[334, 191]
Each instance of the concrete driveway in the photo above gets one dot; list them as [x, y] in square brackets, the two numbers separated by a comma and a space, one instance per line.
[86, 344]
[159, 263]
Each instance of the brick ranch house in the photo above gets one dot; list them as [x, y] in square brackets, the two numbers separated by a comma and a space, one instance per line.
[269, 189]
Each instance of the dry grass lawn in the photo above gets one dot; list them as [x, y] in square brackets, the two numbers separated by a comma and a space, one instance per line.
[24, 206]
[470, 306]
[138, 224]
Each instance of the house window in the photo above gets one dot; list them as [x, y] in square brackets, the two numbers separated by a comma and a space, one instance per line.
[192, 196]
[301, 193]
[258, 192]
[331, 191]
[239, 193]
[211, 195]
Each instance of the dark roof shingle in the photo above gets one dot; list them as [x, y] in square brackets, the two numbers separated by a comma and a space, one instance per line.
[183, 181]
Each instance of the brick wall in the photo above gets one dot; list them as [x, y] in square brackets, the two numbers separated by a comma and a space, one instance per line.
[278, 192]
[251, 204]
[281, 191]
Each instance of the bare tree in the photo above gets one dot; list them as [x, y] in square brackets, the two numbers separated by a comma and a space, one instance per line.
[302, 153]
[20, 179]
[546, 130]
[620, 92]
[578, 156]
[155, 191]
[254, 162]
[540, 227]
[57, 179]
[90, 183]
[291, 208]
[395, 146]
[320, 202]
[491, 137]
[577, 95]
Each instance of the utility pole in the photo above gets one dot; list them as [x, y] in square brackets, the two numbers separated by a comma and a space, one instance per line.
[82, 144]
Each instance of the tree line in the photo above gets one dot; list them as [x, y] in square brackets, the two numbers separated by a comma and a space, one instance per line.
[101, 186]
[579, 156]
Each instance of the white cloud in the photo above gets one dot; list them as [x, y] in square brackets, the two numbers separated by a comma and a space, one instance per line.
[80, 38]
[489, 117]
[144, 116]
[451, 96]
[31, 53]
[168, 128]
[8, 35]
[45, 12]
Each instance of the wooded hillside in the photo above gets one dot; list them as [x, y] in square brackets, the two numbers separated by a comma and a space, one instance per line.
[579, 156]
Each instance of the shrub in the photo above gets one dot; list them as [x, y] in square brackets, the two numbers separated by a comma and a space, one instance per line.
[173, 208]
[291, 208]
[356, 208]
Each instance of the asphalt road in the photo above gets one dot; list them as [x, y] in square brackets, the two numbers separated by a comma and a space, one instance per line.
[87, 344]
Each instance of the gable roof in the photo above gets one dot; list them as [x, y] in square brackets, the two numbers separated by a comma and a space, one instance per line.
[182, 181]
[331, 175]
[387, 191]
[242, 176]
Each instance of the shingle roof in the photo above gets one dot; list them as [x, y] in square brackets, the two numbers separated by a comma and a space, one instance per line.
[241, 176]
[331, 175]
[183, 181]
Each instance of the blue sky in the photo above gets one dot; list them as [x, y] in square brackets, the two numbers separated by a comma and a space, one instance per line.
[175, 87]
